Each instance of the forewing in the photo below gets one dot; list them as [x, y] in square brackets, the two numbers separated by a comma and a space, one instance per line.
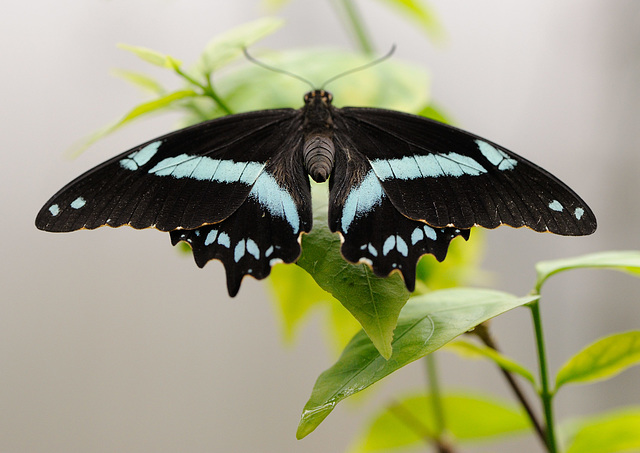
[451, 178]
[195, 176]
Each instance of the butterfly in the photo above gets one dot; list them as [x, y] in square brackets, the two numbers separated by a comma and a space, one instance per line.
[237, 188]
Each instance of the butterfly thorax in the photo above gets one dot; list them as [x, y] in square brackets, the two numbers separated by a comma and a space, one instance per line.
[318, 149]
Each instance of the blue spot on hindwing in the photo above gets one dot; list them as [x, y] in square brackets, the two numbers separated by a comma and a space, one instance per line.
[430, 232]
[224, 240]
[388, 245]
[239, 250]
[211, 237]
[416, 236]
[253, 249]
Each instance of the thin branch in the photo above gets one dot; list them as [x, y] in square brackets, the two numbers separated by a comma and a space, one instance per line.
[483, 333]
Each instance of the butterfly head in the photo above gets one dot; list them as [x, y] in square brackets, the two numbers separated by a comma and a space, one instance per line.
[318, 96]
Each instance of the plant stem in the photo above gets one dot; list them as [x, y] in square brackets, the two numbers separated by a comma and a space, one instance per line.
[206, 89]
[482, 331]
[357, 26]
[545, 393]
[415, 424]
[436, 394]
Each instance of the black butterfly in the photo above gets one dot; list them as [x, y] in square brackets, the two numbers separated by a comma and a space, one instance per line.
[237, 188]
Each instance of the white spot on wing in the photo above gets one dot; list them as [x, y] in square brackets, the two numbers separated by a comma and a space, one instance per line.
[372, 250]
[579, 212]
[54, 209]
[78, 203]
[556, 206]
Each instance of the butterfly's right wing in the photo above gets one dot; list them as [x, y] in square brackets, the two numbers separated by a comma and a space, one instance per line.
[185, 179]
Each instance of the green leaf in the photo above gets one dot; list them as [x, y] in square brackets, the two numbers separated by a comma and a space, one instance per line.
[603, 359]
[471, 350]
[421, 14]
[426, 323]
[145, 108]
[375, 302]
[297, 295]
[140, 80]
[409, 421]
[228, 46]
[152, 56]
[628, 261]
[616, 431]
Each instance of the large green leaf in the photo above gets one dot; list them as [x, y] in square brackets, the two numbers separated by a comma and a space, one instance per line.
[603, 359]
[375, 302]
[617, 431]
[228, 46]
[467, 349]
[426, 323]
[410, 421]
[628, 261]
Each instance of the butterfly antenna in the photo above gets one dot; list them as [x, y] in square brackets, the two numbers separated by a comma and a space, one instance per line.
[274, 69]
[360, 68]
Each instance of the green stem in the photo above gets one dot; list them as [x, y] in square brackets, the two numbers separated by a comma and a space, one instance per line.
[545, 392]
[206, 89]
[357, 26]
[436, 394]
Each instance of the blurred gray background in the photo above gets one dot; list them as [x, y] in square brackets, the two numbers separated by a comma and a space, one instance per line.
[111, 341]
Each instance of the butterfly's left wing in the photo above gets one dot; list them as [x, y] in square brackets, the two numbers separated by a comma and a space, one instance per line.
[404, 186]
[234, 188]
[447, 177]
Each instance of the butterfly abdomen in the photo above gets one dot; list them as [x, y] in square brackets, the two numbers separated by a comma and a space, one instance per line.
[318, 153]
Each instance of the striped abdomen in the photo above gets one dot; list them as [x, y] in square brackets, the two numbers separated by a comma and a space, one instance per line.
[318, 156]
